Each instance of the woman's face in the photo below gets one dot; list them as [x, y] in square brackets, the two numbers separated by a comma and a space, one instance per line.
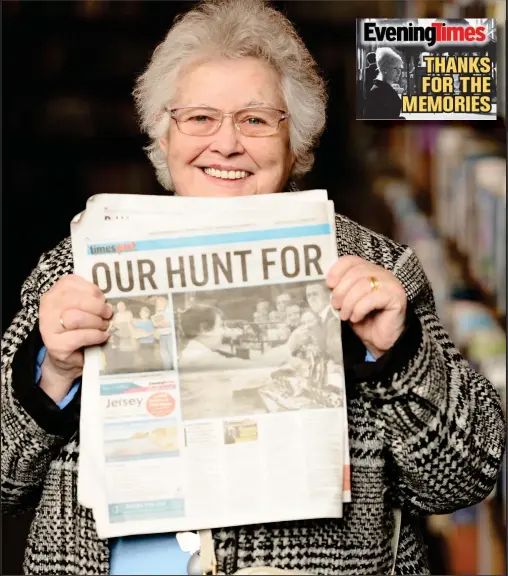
[228, 85]
[393, 71]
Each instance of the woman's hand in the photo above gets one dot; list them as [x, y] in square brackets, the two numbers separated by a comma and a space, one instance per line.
[371, 299]
[73, 314]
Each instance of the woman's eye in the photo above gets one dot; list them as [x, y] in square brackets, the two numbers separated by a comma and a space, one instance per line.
[253, 120]
[199, 119]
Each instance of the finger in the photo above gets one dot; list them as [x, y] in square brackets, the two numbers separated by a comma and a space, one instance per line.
[374, 300]
[356, 292]
[348, 282]
[82, 338]
[86, 302]
[72, 282]
[341, 266]
[74, 292]
[64, 347]
[74, 319]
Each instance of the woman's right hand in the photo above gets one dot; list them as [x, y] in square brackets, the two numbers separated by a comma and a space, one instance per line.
[73, 314]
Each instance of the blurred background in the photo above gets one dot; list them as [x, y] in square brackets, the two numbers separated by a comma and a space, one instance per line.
[70, 132]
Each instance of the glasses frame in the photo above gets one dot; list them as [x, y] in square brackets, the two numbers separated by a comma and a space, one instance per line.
[283, 113]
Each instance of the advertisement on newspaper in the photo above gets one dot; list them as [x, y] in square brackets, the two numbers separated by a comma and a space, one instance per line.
[219, 398]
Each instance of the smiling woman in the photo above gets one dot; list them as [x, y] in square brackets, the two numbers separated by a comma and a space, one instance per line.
[229, 56]
[202, 147]
[233, 105]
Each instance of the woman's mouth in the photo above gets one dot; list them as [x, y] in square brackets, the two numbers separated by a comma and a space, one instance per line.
[226, 174]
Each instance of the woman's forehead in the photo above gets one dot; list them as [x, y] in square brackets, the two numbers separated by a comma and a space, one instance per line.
[224, 83]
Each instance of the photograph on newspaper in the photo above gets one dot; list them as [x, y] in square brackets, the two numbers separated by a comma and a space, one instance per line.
[141, 336]
[126, 441]
[258, 349]
[238, 431]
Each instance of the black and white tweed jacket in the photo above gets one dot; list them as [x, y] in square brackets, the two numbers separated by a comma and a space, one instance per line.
[427, 434]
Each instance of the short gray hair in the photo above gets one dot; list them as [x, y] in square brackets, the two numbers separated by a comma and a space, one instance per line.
[386, 56]
[234, 29]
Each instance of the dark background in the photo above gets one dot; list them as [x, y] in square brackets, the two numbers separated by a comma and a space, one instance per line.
[70, 129]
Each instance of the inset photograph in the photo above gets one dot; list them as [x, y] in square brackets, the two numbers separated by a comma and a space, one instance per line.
[239, 431]
[126, 441]
[256, 349]
[141, 336]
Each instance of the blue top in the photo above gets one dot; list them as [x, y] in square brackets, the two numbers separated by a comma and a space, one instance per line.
[151, 554]
[146, 326]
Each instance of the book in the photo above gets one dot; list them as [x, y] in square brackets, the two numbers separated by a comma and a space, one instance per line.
[486, 260]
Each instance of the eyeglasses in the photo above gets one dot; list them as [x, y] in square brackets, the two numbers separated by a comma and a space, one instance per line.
[205, 121]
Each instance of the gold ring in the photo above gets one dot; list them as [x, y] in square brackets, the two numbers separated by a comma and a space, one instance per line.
[374, 283]
[62, 323]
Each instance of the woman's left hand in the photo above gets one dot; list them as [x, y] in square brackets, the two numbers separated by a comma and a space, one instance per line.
[371, 299]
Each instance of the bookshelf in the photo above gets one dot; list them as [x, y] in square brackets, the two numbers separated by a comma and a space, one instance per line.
[458, 177]
[446, 186]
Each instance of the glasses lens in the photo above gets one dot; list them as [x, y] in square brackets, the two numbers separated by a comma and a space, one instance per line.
[258, 121]
[198, 121]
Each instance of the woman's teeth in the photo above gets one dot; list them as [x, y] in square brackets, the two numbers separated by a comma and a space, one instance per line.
[226, 174]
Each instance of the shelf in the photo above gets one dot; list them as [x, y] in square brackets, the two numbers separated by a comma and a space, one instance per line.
[494, 130]
[483, 296]
[418, 170]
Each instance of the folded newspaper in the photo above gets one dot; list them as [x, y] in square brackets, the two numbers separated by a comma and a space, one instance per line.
[219, 398]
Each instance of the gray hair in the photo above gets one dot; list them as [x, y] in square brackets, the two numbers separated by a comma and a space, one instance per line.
[385, 57]
[234, 29]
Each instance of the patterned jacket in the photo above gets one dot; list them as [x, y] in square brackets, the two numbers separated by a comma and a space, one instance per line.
[427, 434]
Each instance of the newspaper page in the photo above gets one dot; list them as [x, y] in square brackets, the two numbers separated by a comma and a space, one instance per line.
[116, 209]
[127, 209]
[216, 400]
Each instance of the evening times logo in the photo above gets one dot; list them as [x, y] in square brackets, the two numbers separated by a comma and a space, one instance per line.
[426, 69]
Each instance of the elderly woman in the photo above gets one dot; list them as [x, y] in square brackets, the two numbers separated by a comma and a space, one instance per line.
[382, 101]
[233, 105]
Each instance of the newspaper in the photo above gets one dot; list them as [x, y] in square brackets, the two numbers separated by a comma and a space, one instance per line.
[128, 208]
[216, 401]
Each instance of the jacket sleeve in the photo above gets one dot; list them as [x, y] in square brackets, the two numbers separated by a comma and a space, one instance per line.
[33, 427]
[442, 422]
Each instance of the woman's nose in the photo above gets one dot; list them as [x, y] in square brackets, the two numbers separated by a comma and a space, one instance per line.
[226, 139]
